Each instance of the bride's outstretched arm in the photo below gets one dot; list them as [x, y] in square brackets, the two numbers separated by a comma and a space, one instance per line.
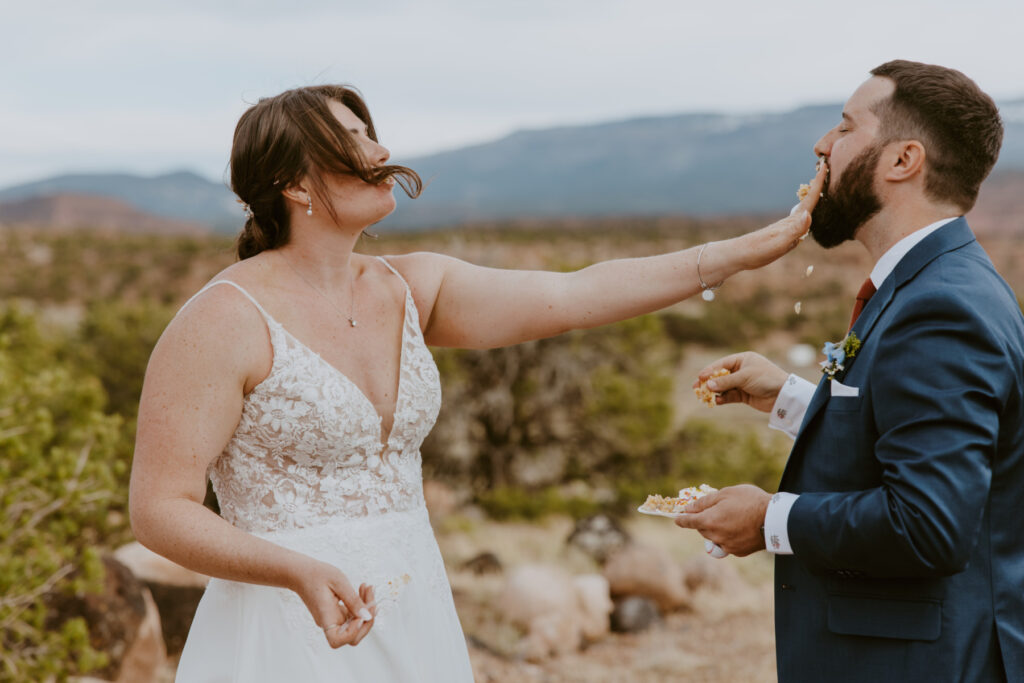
[468, 306]
[191, 404]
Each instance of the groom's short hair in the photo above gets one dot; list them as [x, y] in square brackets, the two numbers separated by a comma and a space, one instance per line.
[948, 113]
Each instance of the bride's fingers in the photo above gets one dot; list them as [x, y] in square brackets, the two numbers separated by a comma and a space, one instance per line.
[799, 220]
[810, 200]
[350, 598]
[344, 633]
[366, 593]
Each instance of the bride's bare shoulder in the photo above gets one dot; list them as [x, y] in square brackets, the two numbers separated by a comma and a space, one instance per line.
[222, 318]
[423, 270]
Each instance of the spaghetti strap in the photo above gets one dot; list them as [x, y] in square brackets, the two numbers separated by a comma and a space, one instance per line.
[266, 316]
[395, 271]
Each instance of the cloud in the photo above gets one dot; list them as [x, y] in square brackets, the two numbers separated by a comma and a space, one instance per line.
[97, 78]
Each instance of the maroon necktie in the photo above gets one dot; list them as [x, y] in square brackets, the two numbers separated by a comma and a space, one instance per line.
[867, 290]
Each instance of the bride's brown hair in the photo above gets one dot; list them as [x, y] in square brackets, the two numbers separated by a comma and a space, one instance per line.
[280, 139]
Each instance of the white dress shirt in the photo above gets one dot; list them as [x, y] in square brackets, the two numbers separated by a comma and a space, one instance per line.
[791, 405]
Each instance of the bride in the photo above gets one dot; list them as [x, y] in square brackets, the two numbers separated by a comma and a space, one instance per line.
[299, 381]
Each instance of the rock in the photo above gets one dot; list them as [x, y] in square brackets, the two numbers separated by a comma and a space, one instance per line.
[595, 603]
[633, 614]
[534, 590]
[484, 563]
[598, 536]
[153, 568]
[175, 589]
[648, 571]
[706, 573]
[123, 622]
[147, 656]
[550, 635]
[559, 612]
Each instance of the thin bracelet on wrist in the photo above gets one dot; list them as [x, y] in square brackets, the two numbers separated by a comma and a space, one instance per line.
[707, 291]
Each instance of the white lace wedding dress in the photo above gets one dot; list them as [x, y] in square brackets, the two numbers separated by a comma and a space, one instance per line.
[306, 469]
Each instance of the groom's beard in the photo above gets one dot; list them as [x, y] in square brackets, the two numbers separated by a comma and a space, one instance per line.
[851, 204]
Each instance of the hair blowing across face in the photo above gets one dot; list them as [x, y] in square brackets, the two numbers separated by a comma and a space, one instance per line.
[281, 140]
[957, 123]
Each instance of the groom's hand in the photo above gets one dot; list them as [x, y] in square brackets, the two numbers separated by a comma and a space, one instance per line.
[753, 380]
[732, 518]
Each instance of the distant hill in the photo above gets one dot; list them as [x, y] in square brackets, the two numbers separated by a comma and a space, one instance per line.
[696, 164]
[67, 211]
[182, 195]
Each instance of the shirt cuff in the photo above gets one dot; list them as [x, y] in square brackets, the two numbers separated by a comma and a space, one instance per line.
[791, 405]
[776, 520]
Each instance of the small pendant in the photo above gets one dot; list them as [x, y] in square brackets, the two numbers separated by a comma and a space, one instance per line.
[707, 295]
[352, 322]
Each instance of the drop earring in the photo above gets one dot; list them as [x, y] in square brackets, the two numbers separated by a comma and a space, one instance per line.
[309, 208]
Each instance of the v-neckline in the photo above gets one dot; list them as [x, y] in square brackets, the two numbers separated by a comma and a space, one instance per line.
[384, 442]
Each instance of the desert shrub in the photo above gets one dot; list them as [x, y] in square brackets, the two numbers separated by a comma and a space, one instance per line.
[703, 452]
[63, 462]
[698, 453]
[540, 413]
[733, 324]
[113, 343]
[513, 502]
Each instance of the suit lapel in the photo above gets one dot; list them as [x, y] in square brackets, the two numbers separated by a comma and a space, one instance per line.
[865, 323]
[947, 238]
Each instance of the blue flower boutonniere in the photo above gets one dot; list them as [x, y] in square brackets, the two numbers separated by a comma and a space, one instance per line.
[836, 354]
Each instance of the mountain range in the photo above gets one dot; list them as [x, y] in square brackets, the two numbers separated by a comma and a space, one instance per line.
[698, 164]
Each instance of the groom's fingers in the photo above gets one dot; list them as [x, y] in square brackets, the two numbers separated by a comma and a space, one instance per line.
[692, 517]
[736, 380]
[730, 363]
[688, 521]
[701, 504]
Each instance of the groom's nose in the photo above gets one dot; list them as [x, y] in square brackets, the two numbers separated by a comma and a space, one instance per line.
[823, 147]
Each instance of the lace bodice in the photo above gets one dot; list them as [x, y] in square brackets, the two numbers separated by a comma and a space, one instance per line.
[308, 447]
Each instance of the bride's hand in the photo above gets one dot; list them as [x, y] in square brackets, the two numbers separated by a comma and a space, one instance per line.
[761, 247]
[336, 607]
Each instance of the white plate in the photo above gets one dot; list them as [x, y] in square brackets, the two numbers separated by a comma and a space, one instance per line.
[659, 513]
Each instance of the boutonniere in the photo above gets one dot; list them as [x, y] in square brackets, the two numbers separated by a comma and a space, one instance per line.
[836, 354]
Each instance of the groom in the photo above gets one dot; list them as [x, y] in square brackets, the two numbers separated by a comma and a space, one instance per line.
[897, 534]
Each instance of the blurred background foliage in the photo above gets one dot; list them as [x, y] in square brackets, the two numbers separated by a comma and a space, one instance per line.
[588, 421]
[64, 465]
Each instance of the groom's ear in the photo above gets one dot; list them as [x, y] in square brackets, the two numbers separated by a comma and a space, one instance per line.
[905, 160]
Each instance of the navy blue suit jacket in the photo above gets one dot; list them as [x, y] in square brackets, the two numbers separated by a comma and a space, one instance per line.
[908, 545]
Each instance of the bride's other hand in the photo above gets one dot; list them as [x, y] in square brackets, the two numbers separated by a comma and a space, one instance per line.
[336, 607]
[763, 246]
[366, 593]
[752, 379]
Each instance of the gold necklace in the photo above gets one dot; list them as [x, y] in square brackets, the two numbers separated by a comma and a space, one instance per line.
[350, 316]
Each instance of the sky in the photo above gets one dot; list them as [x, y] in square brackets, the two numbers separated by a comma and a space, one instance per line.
[141, 87]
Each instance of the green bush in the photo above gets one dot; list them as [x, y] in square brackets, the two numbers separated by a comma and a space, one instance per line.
[114, 342]
[561, 407]
[699, 453]
[63, 464]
